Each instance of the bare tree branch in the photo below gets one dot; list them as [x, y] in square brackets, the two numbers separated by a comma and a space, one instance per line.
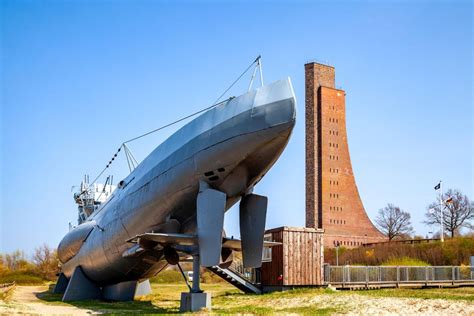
[46, 262]
[394, 222]
[456, 214]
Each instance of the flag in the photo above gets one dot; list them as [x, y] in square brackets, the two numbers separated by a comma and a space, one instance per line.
[438, 186]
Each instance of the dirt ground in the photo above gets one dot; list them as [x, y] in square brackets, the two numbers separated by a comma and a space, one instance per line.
[24, 300]
[165, 299]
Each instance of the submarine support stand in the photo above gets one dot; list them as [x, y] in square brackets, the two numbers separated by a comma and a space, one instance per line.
[196, 299]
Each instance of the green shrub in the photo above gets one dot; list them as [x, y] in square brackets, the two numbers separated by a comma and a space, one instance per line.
[454, 251]
[168, 276]
[210, 278]
[173, 276]
[405, 261]
[21, 278]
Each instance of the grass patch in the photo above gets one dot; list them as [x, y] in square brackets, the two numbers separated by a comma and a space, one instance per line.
[297, 301]
[135, 307]
[226, 299]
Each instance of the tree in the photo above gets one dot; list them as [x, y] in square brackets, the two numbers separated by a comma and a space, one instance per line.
[394, 222]
[14, 261]
[46, 262]
[457, 210]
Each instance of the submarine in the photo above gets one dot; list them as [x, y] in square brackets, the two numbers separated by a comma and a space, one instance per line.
[171, 207]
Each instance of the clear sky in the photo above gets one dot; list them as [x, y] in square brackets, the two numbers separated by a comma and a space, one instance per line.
[80, 77]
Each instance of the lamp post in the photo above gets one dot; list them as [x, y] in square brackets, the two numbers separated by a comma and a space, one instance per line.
[337, 253]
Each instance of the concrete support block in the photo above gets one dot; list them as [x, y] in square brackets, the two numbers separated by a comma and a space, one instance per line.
[143, 288]
[192, 302]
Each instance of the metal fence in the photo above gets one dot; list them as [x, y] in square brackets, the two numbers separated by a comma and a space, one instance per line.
[397, 274]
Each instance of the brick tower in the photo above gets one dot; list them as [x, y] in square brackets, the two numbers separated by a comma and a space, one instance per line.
[332, 198]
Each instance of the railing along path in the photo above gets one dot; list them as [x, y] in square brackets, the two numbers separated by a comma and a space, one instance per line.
[396, 276]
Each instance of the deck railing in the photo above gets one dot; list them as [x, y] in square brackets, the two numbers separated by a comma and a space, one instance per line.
[397, 274]
[251, 274]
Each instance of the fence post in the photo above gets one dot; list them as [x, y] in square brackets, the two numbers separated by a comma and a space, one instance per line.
[327, 273]
[426, 276]
[398, 276]
[343, 276]
[453, 276]
[366, 277]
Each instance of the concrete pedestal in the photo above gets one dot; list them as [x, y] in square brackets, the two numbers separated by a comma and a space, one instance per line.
[192, 302]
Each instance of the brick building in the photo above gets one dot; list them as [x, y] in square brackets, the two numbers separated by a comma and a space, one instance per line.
[332, 198]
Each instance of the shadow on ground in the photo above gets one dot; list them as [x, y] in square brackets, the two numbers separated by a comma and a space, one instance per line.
[135, 307]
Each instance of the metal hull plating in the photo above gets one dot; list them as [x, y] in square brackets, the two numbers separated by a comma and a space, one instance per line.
[230, 147]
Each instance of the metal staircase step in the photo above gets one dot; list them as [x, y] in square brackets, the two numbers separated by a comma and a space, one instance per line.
[236, 279]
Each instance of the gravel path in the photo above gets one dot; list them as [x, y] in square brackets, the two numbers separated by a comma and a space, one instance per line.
[24, 301]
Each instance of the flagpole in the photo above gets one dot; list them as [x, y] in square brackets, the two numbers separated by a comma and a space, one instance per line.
[442, 209]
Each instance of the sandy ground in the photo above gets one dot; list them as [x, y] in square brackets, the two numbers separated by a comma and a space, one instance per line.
[365, 305]
[408, 306]
[24, 301]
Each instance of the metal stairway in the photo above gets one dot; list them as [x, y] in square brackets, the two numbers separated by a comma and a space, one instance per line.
[236, 279]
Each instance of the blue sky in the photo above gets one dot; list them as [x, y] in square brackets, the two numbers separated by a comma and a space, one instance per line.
[80, 77]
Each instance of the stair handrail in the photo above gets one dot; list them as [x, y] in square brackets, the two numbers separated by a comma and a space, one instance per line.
[249, 274]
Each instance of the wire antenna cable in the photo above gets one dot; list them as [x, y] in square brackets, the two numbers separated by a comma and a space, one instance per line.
[132, 162]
